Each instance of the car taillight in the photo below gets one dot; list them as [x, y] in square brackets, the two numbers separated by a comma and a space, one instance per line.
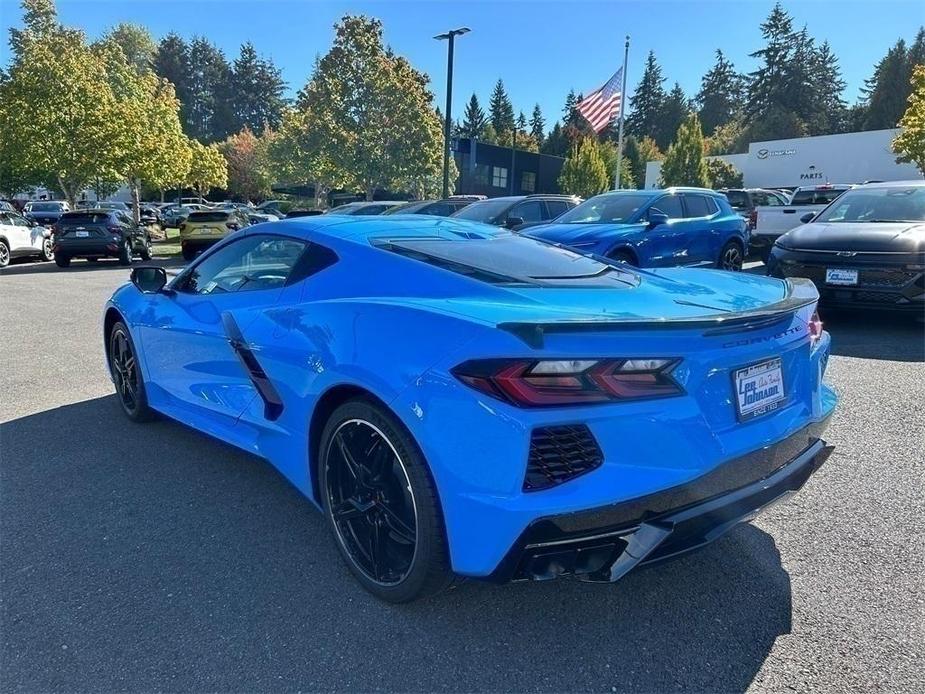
[815, 329]
[232, 225]
[114, 228]
[552, 382]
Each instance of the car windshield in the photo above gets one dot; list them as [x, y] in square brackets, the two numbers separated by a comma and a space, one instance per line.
[817, 196]
[872, 205]
[614, 208]
[112, 206]
[46, 207]
[488, 211]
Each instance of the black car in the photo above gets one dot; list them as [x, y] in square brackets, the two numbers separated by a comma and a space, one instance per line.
[866, 249]
[95, 234]
[45, 212]
[518, 212]
[437, 208]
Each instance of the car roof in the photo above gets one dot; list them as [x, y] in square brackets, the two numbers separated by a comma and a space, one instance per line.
[916, 183]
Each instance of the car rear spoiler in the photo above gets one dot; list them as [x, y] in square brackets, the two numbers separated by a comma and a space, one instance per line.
[800, 292]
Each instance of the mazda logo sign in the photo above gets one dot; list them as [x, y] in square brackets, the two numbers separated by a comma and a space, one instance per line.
[763, 154]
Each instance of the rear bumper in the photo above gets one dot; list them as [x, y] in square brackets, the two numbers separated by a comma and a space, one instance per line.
[92, 247]
[604, 544]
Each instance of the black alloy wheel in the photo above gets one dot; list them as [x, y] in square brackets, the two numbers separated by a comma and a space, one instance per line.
[381, 503]
[731, 257]
[371, 502]
[126, 376]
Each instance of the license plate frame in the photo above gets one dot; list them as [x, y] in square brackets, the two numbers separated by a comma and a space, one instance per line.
[746, 380]
[81, 234]
[841, 277]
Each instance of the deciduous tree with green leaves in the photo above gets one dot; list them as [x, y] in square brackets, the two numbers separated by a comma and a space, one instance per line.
[208, 168]
[584, 172]
[722, 174]
[685, 164]
[248, 175]
[910, 143]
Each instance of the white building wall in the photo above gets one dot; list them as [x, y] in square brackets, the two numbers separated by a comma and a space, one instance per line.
[844, 158]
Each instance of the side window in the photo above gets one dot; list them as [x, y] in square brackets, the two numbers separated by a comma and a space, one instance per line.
[443, 209]
[314, 259]
[252, 263]
[775, 200]
[19, 221]
[5, 218]
[529, 211]
[669, 205]
[698, 206]
[557, 207]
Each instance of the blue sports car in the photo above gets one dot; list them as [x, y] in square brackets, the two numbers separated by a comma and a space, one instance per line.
[460, 400]
[654, 228]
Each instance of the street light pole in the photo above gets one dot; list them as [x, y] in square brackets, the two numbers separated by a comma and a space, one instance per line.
[448, 118]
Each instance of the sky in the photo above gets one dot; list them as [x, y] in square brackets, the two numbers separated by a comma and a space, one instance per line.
[540, 48]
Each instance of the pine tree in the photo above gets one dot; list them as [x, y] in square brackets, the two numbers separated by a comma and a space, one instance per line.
[887, 91]
[209, 111]
[671, 115]
[720, 95]
[916, 54]
[172, 62]
[501, 111]
[647, 101]
[474, 120]
[574, 126]
[537, 124]
[770, 84]
[555, 143]
[829, 109]
[685, 164]
[256, 92]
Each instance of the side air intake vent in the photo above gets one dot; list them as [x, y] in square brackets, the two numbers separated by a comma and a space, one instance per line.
[559, 454]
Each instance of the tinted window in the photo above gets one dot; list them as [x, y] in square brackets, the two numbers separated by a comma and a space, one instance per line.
[557, 207]
[873, 205]
[738, 200]
[249, 264]
[815, 197]
[46, 207]
[698, 206]
[489, 211]
[371, 209]
[509, 259]
[216, 216]
[669, 205]
[611, 207]
[18, 221]
[439, 209]
[529, 211]
[84, 218]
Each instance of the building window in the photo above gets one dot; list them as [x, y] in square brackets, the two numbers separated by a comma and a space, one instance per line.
[528, 182]
[499, 177]
[480, 174]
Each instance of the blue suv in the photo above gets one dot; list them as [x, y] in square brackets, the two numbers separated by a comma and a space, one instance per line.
[654, 228]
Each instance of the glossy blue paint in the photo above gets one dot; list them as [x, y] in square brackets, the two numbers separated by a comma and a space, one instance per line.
[395, 327]
[682, 241]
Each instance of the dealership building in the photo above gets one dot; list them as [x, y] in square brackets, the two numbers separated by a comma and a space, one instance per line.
[804, 161]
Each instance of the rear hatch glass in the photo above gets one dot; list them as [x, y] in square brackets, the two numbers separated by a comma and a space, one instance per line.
[816, 197]
[210, 216]
[738, 199]
[82, 218]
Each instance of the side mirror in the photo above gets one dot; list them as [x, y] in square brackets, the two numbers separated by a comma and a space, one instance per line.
[808, 217]
[657, 219]
[512, 222]
[150, 279]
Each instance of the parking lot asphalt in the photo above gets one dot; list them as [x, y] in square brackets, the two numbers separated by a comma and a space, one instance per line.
[150, 557]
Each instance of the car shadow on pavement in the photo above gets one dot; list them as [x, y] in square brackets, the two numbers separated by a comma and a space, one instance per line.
[78, 265]
[141, 557]
[875, 335]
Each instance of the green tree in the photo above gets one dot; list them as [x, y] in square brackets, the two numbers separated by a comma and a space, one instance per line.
[58, 114]
[684, 163]
[910, 143]
[555, 143]
[771, 83]
[500, 110]
[608, 150]
[256, 92]
[574, 126]
[584, 172]
[887, 91]
[248, 174]
[474, 119]
[829, 113]
[136, 44]
[672, 114]
[374, 111]
[727, 139]
[298, 154]
[208, 168]
[537, 125]
[172, 62]
[722, 174]
[209, 111]
[490, 135]
[720, 95]
[646, 104]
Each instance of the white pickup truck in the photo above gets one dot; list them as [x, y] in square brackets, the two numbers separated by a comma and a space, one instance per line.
[774, 222]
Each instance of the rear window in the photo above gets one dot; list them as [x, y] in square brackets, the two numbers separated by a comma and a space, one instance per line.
[488, 211]
[209, 216]
[46, 207]
[84, 218]
[820, 196]
[738, 200]
[510, 259]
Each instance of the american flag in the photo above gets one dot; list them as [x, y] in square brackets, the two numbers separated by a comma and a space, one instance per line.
[601, 105]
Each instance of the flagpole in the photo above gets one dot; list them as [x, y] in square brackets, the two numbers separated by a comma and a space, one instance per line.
[616, 176]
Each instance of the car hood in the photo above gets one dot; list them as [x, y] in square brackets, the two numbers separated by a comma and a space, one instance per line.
[857, 236]
[581, 233]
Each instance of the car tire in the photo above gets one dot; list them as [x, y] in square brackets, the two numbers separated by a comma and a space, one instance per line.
[4, 254]
[126, 375]
[125, 253]
[731, 257]
[145, 251]
[189, 253]
[622, 256]
[386, 491]
[47, 252]
[62, 260]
